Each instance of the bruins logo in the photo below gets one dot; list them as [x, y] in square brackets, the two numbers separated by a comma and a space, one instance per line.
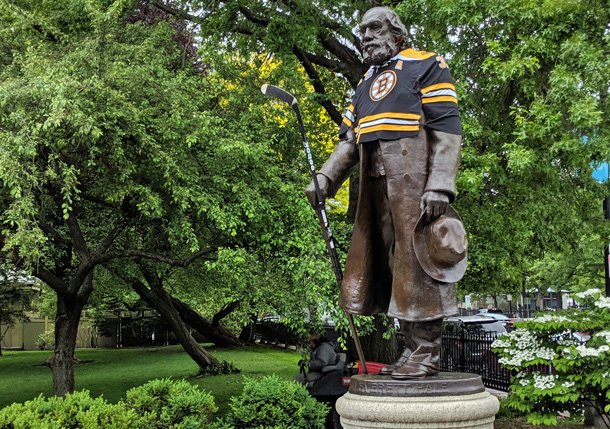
[383, 85]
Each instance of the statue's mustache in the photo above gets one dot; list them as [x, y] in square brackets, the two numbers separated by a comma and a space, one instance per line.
[372, 45]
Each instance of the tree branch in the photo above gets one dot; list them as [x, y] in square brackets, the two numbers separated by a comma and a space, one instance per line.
[128, 253]
[85, 196]
[54, 282]
[178, 12]
[354, 69]
[80, 246]
[56, 237]
[250, 16]
[112, 235]
[226, 309]
[82, 252]
[318, 86]
[151, 278]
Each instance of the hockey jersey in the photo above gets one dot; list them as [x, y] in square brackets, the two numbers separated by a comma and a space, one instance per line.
[390, 99]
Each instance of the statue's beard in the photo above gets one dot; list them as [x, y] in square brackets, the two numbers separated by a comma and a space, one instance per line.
[378, 52]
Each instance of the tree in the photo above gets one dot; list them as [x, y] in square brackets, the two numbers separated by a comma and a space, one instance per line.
[93, 154]
[554, 370]
[121, 155]
[152, 291]
[15, 301]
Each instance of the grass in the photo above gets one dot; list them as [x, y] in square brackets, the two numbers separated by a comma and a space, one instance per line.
[111, 372]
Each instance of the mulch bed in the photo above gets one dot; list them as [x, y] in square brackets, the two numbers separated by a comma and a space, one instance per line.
[521, 423]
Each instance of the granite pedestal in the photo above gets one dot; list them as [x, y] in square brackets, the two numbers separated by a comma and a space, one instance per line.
[449, 400]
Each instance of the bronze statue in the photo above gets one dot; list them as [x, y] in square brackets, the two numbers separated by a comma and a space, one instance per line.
[403, 128]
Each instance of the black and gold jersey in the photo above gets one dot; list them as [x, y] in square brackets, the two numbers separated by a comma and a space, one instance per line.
[391, 98]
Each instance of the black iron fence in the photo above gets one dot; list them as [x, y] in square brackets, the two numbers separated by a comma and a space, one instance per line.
[462, 351]
[272, 332]
[465, 351]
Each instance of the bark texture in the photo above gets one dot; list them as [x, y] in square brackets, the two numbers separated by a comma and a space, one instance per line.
[69, 310]
[157, 298]
[212, 330]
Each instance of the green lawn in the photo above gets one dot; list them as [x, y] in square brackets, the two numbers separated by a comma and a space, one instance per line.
[111, 372]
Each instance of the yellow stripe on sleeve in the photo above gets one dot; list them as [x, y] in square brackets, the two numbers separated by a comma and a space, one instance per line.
[387, 127]
[393, 115]
[347, 122]
[442, 85]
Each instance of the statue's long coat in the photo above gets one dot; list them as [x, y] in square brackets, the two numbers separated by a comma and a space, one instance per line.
[412, 165]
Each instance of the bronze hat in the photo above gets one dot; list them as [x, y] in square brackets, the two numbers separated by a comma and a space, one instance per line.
[441, 246]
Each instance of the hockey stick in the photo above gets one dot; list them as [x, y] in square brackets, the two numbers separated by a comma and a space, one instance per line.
[280, 94]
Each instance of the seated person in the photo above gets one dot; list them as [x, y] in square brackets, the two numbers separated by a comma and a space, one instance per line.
[323, 360]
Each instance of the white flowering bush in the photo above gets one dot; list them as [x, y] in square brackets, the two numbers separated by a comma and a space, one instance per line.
[554, 369]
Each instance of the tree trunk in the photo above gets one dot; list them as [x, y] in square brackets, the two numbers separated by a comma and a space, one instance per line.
[158, 299]
[248, 331]
[216, 333]
[375, 347]
[539, 300]
[69, 310]
[191, 347]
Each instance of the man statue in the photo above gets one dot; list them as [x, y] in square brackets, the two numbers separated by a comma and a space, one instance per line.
[408, 246]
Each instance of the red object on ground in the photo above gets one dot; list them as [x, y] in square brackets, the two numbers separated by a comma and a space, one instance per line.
[372, 367]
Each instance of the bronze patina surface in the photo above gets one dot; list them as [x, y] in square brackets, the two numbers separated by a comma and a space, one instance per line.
[403, 130]
[443, 384]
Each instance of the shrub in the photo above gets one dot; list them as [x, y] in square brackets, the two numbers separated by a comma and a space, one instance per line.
[168, 404]
[553, 370]
[46, 340]
[222, 368]
[76, 410]
[273, 403]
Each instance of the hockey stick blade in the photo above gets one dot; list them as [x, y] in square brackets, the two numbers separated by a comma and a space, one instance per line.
[279, 93]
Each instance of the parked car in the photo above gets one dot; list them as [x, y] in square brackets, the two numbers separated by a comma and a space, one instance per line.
[508, 322]
[472, 324]
[490, 311]
[467, 343]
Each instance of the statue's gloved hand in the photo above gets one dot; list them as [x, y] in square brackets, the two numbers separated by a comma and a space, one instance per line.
[433, 204]
[310, 191]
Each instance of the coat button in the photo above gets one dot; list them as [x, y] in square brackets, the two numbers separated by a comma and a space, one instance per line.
[407, 177]
[404, 152]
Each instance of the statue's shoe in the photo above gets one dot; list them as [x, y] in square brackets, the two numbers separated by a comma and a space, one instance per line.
[423, 362]
[404, 357]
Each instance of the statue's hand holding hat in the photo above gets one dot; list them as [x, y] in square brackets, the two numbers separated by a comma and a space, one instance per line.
[441, 246]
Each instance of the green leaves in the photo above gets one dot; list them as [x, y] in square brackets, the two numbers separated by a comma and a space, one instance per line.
[554, 370]
[274, 403]
[532, 80]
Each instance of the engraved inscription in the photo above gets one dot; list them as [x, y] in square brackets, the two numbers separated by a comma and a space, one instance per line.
[383, 386]
[398, 389]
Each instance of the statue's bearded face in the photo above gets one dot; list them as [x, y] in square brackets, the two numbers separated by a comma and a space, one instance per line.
[378, 42]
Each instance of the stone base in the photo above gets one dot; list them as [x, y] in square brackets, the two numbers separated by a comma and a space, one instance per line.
[432, 403]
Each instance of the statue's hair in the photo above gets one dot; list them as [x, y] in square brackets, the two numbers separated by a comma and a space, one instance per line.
[397, 28]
